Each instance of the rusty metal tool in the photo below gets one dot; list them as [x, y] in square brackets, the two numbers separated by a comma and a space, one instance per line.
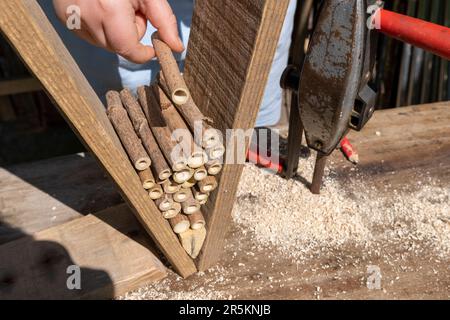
[333, 86]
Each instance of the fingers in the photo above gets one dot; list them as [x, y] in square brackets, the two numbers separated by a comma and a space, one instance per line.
[141, 25]
[120, 25]
[162, 18]
[123, 31]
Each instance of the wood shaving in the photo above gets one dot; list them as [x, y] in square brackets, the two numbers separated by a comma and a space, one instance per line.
[286, 215]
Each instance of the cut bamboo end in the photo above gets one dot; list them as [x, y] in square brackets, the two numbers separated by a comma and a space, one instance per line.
[214, 167]
[147, 179]
[203, 202]
[211, 138]
[172, 212]
[197, 159]
[169, 66]
[190, 183]
[192, 241]
[200, 196]
[156, 192]
[180, 223]
[215, 152]
[142, 163]
[200, 174]
[179, 164]
[197, 220]
[180, 95]
[165, 174]
[181, 177]
[191, 205]
[181, 195]
[207, 185]
[165, 203]
[170, 187]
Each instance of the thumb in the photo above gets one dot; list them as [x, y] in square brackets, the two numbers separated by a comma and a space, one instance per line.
[163, 19]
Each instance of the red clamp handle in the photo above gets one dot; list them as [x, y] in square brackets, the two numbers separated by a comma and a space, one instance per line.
[426, 35]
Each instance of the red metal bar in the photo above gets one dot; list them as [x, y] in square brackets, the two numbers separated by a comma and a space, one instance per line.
[262, 161]
[419, 33]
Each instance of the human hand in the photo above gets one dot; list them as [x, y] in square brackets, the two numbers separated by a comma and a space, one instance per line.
[120, 25]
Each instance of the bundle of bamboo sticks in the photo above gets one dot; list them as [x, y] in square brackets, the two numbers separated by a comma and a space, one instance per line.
[172, 146]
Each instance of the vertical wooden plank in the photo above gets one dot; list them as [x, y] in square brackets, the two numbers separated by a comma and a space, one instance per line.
[230, 54]
[28, 29]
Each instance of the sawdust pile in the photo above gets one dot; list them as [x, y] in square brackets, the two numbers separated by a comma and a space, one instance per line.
[163, 291]
[285, 215]
[285, 221]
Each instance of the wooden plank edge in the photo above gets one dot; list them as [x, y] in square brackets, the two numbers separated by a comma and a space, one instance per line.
[109, 248]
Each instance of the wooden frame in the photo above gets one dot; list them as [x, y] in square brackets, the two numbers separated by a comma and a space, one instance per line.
[230, 55]
[229, 58]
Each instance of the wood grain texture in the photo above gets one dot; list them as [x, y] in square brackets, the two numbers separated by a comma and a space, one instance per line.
[29, 31]
[51, 192]
[229, 58]
[399, 145]
[106, 248]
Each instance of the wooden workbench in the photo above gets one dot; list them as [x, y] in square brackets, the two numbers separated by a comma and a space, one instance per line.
[53, 205]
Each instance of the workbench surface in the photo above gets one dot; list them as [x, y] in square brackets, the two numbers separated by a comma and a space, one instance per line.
[404, 152]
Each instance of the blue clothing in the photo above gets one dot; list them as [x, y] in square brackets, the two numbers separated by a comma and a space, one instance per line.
[108, 71]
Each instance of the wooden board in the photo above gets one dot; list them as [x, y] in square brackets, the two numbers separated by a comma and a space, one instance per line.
[398, 145]
[229, 58]
[29, 31]
[51, 192]
[106, 248]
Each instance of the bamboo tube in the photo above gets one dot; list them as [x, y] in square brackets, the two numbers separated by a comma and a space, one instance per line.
[215, 152]
[155, 192]
[122, 124]
[183, 176]
[200, 173]
[165, 203]
[180, 223]
[204, 135]
[181, 196]
[179, 92]
[207, 185]
[192, 241]
[191, 205]
[190, 183]
[170, 187]
[197, 220]
[172, 212]
[159, 165]
[198, 195]
[160, 129]
[147, 179]
[214, 167]
[195, 155]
